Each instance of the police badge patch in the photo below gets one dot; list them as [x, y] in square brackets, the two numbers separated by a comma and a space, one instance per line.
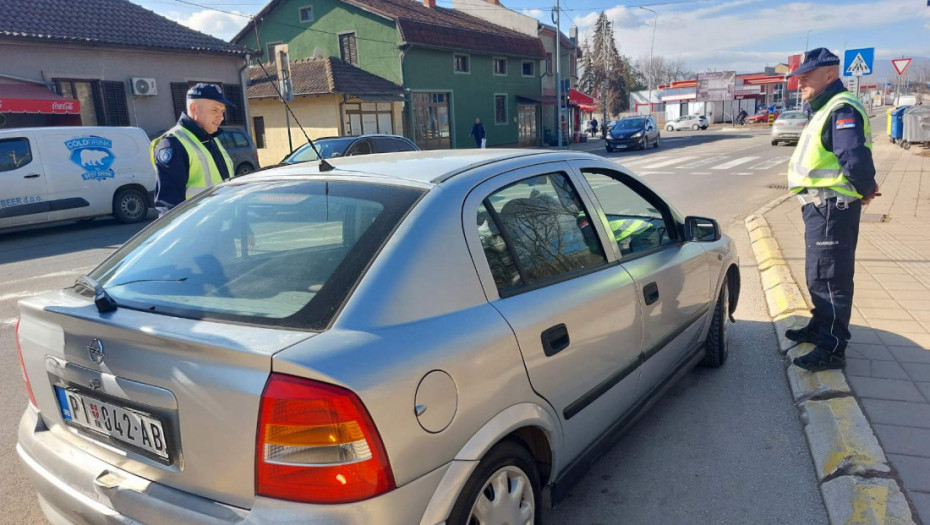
[164, 156]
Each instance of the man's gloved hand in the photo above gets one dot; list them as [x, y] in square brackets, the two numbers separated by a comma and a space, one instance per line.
[874, 194]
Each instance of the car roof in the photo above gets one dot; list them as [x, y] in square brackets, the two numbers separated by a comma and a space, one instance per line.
[419, 167]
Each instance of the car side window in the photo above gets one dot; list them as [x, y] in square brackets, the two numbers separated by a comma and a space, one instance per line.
[362, 147]
[240, 140]
[403, 145]
[384, 145]
[636, 224]
[14, 153]
[545, 229]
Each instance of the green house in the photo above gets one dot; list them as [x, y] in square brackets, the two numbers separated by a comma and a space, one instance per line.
[453, 67]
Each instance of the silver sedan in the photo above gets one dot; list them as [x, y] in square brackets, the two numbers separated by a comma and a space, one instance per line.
[788, 127]
[424, 337]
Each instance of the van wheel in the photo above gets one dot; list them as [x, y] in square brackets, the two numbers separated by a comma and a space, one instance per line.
[244, 169]
[717, 346]
[130, 205]
[504, 488]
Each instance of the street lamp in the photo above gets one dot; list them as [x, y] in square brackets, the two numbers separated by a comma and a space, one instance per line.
[651, 47]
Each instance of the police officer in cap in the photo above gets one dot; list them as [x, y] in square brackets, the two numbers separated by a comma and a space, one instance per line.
[833, 174]
[188, 158]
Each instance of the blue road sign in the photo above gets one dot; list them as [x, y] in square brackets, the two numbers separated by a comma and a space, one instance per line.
[858, 62]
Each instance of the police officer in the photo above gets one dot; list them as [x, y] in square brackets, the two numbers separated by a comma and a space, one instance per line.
[188, 158]
[833, 174]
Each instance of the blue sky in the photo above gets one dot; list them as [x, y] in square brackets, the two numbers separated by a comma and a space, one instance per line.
[741, 35]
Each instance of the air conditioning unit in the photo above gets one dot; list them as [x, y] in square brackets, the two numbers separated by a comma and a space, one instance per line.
[143, 87]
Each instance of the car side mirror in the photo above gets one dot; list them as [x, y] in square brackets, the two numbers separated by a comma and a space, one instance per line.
[701, 229]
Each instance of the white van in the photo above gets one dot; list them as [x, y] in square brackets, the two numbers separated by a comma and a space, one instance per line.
[65, 173]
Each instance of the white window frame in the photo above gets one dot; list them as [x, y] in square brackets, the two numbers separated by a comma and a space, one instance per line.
[455, 63]
[532, 63]
[494, 66]
[506, 109]
[300, 14]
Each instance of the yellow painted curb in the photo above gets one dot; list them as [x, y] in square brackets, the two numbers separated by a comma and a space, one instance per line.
[783, 298]
[875, 501]
[805, 385]
[766, 249]
[790, 320]
[760, 233]
[775, 275]
[841, 439]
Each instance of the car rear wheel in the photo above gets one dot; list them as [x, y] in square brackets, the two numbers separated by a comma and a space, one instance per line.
[244, 169]
[656, 145]
[695, 127]
[669, 128]
[503, 489]
[717, 346]
[774, 142]
[130, 205]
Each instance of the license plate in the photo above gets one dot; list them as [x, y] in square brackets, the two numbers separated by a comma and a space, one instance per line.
[621, 146]
[129, 426]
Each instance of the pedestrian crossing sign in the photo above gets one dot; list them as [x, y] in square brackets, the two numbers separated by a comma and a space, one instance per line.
[858, 62]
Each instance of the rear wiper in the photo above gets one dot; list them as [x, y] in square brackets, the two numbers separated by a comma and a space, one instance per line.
[105, 303]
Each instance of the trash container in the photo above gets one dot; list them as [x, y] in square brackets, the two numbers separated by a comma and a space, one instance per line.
[916, 126]
[897, 123]
[888, 113]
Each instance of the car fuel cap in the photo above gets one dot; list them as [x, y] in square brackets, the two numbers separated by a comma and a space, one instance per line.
[436, 401]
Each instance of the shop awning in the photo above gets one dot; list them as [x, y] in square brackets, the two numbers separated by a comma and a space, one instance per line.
[588, 108]
[33, 98]
[531, 99]
[577, 98]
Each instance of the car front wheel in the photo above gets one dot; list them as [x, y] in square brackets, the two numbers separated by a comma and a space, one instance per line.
[717, 346]
[694, 127]
[774, 142]
[504, 489]
[669, 128]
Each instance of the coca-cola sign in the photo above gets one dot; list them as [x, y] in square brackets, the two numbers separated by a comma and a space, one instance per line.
[38, 105]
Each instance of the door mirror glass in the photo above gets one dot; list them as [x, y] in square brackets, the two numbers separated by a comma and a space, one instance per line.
[701, 229]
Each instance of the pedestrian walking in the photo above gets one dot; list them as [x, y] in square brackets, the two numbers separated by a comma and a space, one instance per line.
[478, 132]
[833, 174]
[188, 158]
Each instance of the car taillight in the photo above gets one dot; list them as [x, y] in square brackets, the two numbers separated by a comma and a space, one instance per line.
[22, 367]
[317, 444]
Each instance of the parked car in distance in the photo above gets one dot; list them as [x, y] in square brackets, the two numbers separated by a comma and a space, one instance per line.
[241, 150]
[430, 337]
[332, 147]
[788, 127]
[687, 122]
[761, 116]
[633, 132]
[60, 173]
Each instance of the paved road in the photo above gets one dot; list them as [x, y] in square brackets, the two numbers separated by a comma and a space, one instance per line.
[724, 446]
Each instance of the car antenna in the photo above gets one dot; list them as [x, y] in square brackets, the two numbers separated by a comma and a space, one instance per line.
[324, 166]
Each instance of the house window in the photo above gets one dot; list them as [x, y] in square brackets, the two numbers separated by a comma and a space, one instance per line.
[306, 14]
[103, 103]
[348, 50]
[548, 63]
[500, 66]
[500, 109]
[269, 47]
[258, 126]
[573, 64]
[462, 64]
[528, 68]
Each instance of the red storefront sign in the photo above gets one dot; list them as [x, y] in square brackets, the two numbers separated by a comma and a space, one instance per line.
[794, 62]
[35, 99]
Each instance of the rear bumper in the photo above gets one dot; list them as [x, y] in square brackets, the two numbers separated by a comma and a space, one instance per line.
[786, 135]
[75, 487]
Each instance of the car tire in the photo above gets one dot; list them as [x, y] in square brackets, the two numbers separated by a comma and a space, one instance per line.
[609, 149]
[774, 142]
[669, 128]
[505, 465]
[695, 127]
[703, 127]
[244, 169]
[656, 144]
[717, 345]
[130, 205]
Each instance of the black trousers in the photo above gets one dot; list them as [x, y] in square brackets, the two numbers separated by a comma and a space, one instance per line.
[831, 234]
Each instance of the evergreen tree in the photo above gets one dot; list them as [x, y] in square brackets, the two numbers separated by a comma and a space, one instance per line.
[611, 74]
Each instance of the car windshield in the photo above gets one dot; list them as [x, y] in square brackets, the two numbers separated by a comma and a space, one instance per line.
[631, 123]
[793, 115]
[278, 253]
[327, 147]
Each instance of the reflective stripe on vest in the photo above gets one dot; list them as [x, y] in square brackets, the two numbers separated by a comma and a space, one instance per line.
[623, 228]
[198, 178]
[812, 165]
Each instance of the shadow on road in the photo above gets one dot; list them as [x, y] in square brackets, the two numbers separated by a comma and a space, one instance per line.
[47, 241]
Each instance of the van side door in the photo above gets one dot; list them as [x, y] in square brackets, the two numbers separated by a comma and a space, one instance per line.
[23, 185]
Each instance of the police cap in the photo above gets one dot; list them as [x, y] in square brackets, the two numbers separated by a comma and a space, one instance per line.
[815, 58]
[208, 91]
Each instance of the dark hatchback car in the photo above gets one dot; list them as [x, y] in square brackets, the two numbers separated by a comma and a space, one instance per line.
[633, 132]
[331, 147]
[238, 144]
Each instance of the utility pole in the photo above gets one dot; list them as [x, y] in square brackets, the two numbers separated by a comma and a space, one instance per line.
[652, 64]
[557, 18]
[606, 73]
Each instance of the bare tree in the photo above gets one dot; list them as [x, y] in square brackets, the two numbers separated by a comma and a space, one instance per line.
[661, 70]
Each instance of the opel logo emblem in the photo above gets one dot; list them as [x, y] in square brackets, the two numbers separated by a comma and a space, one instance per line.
[95, 349]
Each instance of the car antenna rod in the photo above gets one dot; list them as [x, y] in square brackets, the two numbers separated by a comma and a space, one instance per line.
[324, 166]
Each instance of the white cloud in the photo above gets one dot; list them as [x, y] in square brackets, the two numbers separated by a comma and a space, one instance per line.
[220, 25]
[538, 14]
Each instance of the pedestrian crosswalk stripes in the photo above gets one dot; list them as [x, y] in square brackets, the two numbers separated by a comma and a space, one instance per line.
[734, 163]
[771, 163]
[719, 163]
[704, 162]
[665, 163]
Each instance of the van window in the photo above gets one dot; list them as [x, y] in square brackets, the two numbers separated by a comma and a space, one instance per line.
[240, 140]
[14, 153]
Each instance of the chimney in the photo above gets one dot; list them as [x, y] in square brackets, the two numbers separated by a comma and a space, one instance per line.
[494, 2]
[429, 3]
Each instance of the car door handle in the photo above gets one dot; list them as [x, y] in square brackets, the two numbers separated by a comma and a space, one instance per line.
[31, 176]
[555, 339]
[651, 293]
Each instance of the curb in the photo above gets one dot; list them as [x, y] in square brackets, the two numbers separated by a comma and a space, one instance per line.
[852, 470]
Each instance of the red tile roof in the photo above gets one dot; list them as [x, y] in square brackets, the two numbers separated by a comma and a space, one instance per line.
[321, 77]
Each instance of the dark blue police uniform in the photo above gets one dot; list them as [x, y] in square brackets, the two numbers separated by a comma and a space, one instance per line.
[172, 165]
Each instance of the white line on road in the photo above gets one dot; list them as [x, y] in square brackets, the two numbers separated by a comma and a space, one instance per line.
[10, 321]
[639, 160]
[702, 162]
[771, 163]
[76, 271]
[734, 163]
[668, 162]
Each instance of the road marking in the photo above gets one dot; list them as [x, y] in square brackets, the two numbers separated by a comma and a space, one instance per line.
[668, 162]
[644, 173]
[20, 295]
[734, 163]
[703, 162]
[10, 321]
[76, 271]
[640, 160]
[700, 173]
[771, 163]
[744, 173]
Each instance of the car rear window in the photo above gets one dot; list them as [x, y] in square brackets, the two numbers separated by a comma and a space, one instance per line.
[793, 115]
[270, 253]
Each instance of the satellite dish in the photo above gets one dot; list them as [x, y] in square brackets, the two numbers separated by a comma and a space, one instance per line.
[142, 86]
[319, 53]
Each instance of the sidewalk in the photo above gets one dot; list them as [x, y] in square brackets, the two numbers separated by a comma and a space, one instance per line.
[888, 359]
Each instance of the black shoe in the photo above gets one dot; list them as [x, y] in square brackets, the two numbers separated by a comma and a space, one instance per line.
[819, 359]
[802, 335]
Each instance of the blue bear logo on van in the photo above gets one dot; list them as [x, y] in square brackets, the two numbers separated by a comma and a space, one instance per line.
[93, 154]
